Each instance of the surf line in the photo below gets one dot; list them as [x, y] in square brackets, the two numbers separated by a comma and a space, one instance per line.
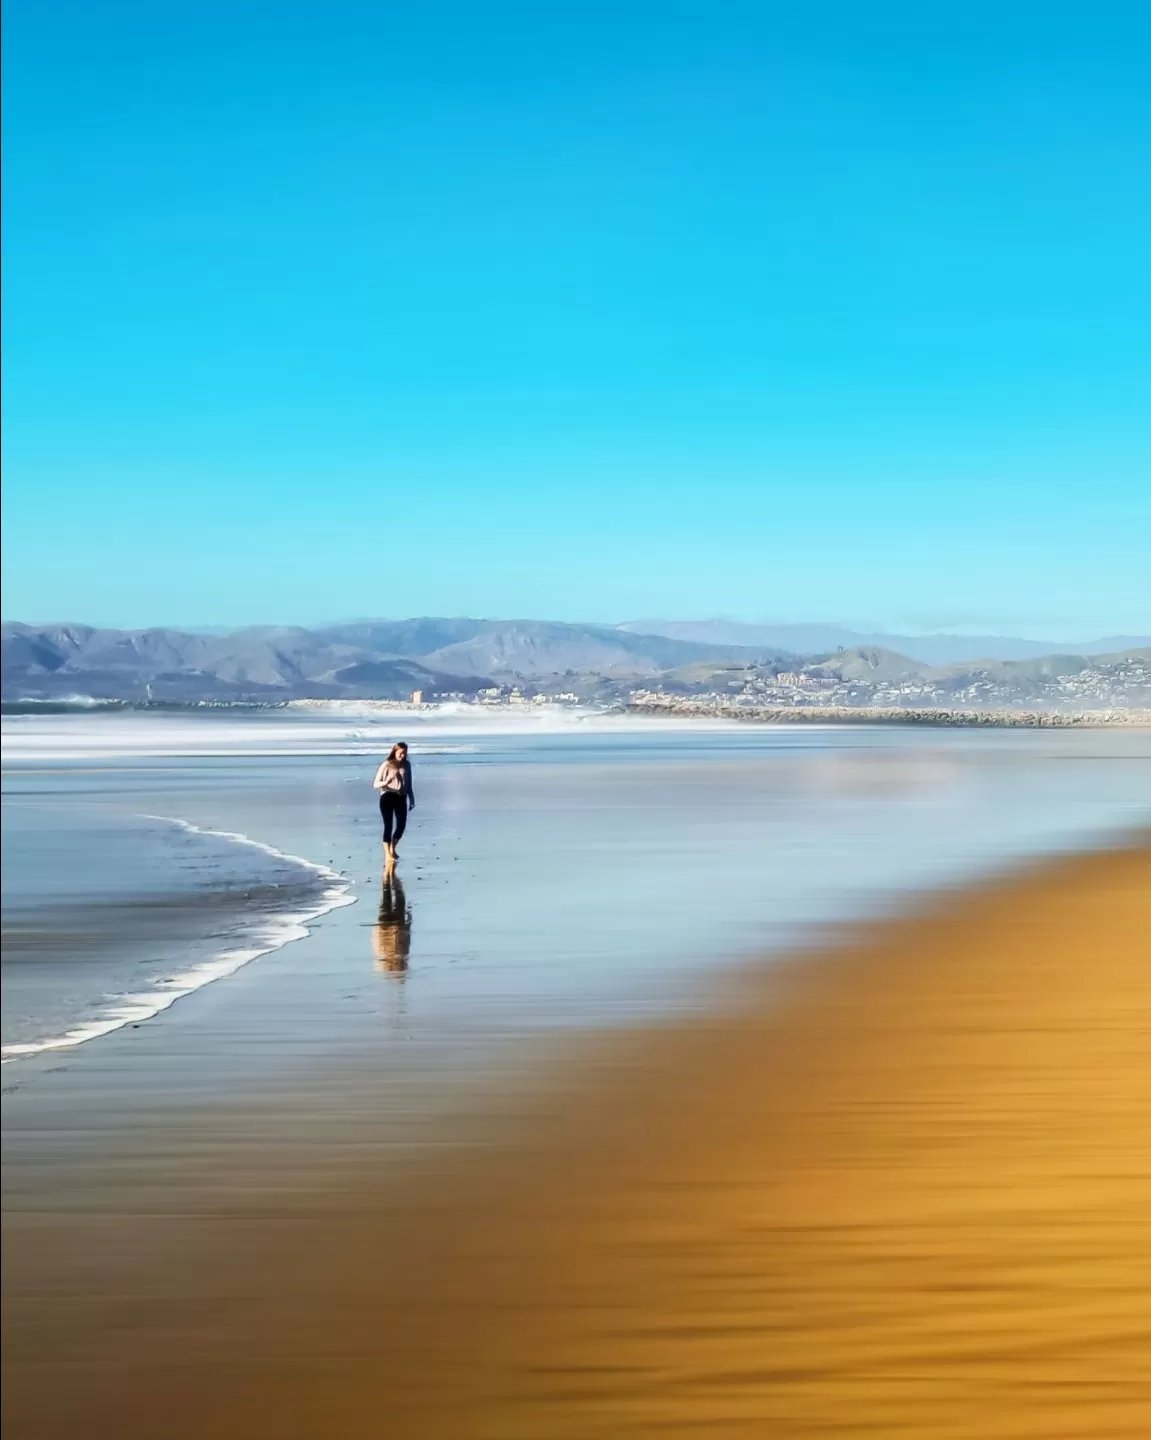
[144, 1005]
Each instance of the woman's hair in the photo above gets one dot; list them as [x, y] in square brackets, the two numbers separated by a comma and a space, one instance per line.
[392, 756]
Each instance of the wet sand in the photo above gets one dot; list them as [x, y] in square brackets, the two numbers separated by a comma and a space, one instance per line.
[900, 1187]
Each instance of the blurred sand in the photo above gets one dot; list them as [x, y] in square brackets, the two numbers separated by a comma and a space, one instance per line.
[899, 1189]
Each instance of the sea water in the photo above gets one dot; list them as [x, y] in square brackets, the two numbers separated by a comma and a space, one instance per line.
[558, 867]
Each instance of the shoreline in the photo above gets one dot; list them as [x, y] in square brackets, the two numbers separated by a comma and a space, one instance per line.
[271, 932]
[673, 707]
[681, 709]
[897, 1185]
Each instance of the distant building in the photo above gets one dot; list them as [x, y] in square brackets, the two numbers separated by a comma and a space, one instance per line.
[417, 697]
[800, 680]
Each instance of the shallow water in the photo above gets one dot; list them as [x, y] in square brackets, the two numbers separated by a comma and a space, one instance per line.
[555, 872]
[108, 917]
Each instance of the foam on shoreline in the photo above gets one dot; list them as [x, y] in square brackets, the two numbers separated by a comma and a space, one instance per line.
[273, 933]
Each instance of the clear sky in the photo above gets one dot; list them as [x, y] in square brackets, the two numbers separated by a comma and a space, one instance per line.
[824, 310]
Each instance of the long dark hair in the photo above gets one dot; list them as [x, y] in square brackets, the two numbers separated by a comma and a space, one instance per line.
[393, 758]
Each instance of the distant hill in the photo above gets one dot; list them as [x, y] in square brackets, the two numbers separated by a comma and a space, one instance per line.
[872, 675]
[930, 649]
[382, 658]
[387, 659]
[873, 664]
[876, 666]
[56, 661]
[527, 649]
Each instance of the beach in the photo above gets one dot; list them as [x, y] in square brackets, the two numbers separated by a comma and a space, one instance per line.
[899, 1187]
[709, 443]
[826, 1114]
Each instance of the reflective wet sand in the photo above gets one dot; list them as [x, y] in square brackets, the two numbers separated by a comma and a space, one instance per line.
[901, 1188]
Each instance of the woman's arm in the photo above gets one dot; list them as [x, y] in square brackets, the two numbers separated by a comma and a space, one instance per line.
[378, 782]
[408, 784]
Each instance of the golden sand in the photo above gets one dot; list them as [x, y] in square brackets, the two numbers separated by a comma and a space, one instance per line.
[899, 1189]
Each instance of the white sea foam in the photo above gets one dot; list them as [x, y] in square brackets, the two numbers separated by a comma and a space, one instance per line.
[277, 932]
[317, 730]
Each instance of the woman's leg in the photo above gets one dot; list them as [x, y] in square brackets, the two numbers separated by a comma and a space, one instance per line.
[387, 815]
[401, 804]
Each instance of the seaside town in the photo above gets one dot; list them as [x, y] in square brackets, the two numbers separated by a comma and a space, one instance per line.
[1058, 684]
[858, 684]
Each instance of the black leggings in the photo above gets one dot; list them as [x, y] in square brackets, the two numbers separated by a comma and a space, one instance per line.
[393, 812]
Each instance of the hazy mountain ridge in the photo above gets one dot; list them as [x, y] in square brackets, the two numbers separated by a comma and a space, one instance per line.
[260, 664]
[876, 664]
[929, 649]
[383, 658]
[388, 659]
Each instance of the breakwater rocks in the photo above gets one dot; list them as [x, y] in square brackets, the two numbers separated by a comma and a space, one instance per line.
[886, 715]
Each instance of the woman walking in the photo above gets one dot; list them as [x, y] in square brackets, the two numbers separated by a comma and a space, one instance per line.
[394, 782]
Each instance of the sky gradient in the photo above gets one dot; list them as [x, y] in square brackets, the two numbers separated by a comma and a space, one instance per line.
[792, 312]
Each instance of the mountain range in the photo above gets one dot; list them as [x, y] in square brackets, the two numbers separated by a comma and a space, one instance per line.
[929, 649]
[384, 659]
[387, 659]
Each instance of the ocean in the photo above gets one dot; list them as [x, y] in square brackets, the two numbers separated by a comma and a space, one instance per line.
[560, 869]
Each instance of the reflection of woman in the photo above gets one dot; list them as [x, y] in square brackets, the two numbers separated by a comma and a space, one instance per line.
[392, 932]
[394, 782]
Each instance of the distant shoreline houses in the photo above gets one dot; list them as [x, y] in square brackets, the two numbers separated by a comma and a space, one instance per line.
[682, 707]
[649, 703]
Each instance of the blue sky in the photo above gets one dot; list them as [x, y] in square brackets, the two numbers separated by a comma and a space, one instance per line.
[825, 311]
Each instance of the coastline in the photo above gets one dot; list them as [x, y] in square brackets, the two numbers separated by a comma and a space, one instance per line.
[248, 939]
[898, 1186]
[685, 708]
[672, 706]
